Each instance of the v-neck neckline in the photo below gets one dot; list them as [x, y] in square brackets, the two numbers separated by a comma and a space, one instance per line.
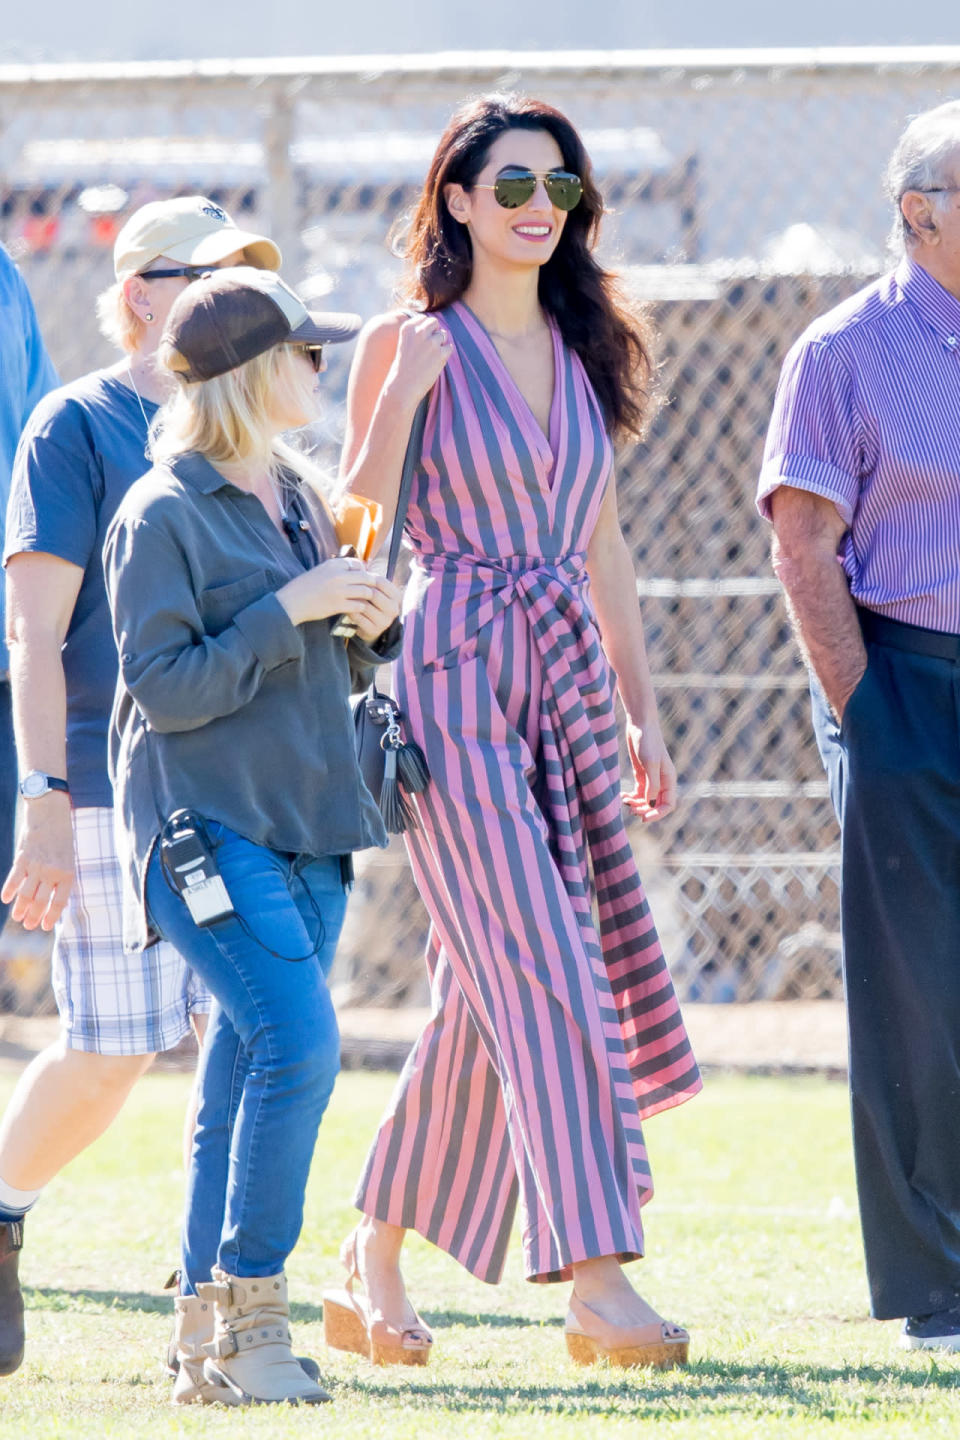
[547, 443]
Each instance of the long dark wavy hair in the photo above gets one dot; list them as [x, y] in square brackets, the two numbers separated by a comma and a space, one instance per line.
[612, 337]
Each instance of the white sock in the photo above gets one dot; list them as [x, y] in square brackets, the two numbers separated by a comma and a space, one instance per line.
[16, 1202]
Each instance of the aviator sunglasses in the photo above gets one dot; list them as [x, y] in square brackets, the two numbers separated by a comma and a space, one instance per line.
[514, 186]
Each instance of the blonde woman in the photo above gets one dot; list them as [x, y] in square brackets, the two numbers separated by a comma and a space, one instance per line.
[83, 447]
[234, 764]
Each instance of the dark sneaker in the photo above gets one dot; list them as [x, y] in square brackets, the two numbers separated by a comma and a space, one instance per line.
[11, 1301]
[172, 1360]
[940, 1331]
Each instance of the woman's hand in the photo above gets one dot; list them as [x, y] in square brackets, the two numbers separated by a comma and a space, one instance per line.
[654, 792]
[379, 613]
[423, 349]
[334, 587]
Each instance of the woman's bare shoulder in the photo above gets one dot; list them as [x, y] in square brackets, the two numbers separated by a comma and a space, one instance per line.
[376, 347]
[383, 329]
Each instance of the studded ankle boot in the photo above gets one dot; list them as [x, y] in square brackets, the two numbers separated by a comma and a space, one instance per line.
[193, 1331]
[250, 1358]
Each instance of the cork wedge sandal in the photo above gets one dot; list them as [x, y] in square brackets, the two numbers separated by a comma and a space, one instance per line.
[348, 1324]
[590, 1338]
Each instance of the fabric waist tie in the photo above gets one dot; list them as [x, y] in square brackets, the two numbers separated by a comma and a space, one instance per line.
[569, 567]
[881, 630]
[474, 589]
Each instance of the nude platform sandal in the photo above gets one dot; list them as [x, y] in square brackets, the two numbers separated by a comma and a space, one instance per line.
[590, 1338]
[347, 1324]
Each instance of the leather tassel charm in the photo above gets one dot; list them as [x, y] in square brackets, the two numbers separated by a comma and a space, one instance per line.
[392, 768]
[412, 771]
[397, 814]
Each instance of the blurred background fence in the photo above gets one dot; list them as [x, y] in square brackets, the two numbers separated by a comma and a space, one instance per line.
[745, 198]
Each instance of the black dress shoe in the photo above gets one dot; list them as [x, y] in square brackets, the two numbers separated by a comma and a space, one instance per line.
[11, 1301]
[940, 1331]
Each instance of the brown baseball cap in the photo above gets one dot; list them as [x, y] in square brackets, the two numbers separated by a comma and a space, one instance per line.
[227, 317]
[190, 229]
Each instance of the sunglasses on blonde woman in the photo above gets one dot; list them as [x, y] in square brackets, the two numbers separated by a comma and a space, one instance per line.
[314, 354]
[515, 185]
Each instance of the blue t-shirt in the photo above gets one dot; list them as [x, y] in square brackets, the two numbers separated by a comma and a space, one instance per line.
[26, 375]
[81, 451]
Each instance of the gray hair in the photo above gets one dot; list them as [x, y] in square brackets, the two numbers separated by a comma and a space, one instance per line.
[920, 162]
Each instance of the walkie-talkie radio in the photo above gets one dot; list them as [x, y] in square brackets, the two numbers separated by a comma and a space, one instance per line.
[189, 864]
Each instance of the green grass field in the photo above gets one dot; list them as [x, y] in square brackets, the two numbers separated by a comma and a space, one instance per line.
[752, 1240]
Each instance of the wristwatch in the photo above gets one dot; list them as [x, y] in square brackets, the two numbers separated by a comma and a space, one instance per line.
[35, 784]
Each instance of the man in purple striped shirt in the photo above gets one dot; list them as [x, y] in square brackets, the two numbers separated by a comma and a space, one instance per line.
[861, 479]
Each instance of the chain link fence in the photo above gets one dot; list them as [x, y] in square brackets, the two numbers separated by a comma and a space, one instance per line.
[745, 199]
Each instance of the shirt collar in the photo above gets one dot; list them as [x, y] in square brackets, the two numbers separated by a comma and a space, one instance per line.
[195, 470]
[937, 306]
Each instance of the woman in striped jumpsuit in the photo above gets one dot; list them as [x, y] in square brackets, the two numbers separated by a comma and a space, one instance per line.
[554, 1023]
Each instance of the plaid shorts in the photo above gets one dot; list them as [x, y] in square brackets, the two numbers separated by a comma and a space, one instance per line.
[112, 1002]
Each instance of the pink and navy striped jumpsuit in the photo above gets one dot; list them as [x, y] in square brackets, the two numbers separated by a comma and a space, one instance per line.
[554, 1022]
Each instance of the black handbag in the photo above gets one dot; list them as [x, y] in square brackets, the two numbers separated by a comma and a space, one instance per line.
[389, 764]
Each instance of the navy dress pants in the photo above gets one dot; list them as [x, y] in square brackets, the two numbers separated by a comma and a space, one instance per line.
[894, 772]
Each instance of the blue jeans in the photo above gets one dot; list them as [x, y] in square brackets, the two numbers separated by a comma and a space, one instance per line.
[271, 1053]
[8, 786]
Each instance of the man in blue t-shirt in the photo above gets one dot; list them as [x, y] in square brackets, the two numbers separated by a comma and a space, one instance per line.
[84, 446]
[26, 375]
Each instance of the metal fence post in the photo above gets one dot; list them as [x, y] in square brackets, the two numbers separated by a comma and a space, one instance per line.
[282, 216]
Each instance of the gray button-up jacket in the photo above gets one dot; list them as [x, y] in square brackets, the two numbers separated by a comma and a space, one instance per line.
[223, 704]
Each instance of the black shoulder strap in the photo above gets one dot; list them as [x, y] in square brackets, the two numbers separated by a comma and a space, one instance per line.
[410, 461]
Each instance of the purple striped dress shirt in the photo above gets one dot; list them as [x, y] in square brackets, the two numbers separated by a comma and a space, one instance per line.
[867, 413]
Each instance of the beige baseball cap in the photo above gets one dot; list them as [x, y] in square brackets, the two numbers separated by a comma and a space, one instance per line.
[190, 229]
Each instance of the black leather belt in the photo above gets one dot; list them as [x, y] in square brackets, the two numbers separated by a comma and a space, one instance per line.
[881, 630]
